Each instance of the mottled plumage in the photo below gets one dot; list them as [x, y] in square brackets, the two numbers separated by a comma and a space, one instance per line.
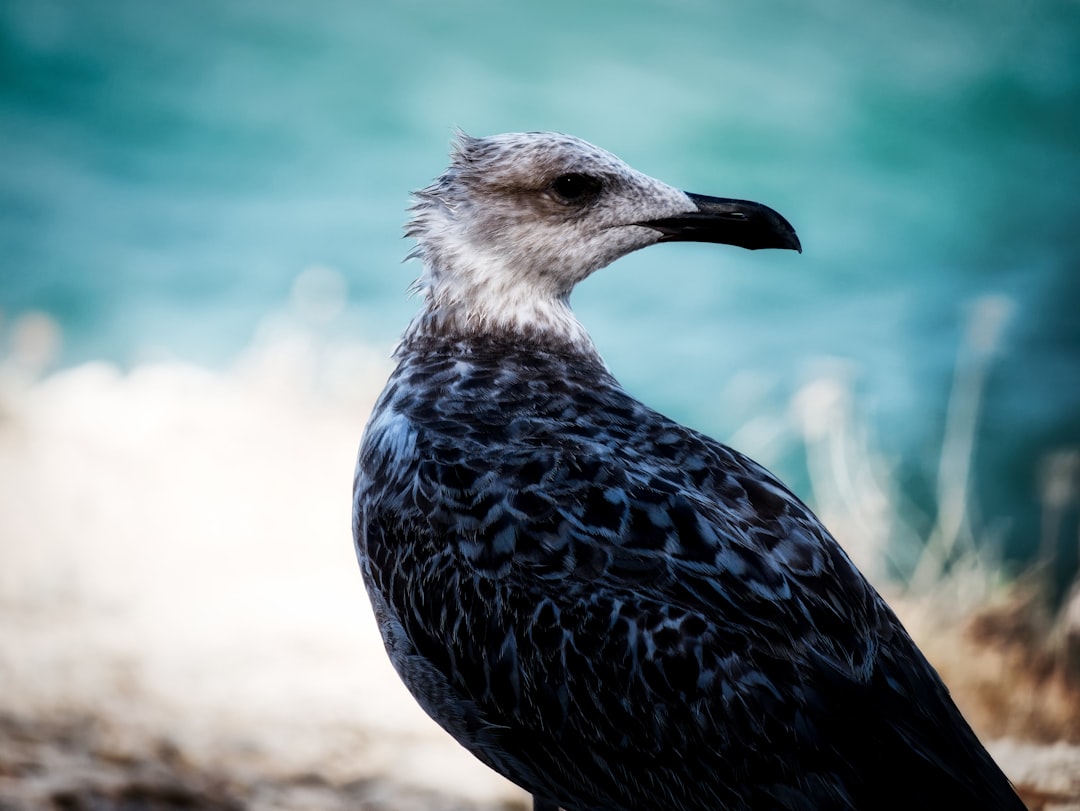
[612, 610]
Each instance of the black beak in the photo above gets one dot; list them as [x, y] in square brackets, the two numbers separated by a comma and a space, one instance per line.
[730, 222]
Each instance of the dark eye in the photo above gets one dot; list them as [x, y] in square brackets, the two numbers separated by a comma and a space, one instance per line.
[575, 187]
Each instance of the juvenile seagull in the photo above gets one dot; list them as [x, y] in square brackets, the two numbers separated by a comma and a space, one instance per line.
[614, 611]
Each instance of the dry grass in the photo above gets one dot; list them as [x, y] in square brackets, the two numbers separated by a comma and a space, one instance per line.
[1006, 665]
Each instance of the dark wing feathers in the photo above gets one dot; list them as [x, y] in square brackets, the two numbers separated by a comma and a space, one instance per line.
[640, 612]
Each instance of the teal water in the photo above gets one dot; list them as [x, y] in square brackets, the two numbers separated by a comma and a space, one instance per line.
[168, 170]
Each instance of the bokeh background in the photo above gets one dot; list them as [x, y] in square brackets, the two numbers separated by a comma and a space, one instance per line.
[201, 207]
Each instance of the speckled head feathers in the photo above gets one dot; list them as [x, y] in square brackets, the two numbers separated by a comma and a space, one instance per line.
[517, 220]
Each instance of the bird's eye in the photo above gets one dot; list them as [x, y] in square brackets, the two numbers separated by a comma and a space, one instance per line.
[574, 187]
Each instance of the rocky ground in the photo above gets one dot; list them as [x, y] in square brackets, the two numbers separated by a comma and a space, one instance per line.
[60, 759]
[86, 764]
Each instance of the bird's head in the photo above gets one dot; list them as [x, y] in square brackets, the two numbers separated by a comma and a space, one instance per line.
[518, 219]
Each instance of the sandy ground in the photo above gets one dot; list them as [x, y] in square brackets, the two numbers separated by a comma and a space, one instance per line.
[183, 625]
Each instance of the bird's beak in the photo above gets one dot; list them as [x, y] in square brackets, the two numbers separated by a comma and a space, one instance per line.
[731, 222]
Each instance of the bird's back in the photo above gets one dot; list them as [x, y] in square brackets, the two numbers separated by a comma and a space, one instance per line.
[617, 612]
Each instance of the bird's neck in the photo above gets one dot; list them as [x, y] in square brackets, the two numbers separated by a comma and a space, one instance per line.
[477, 303]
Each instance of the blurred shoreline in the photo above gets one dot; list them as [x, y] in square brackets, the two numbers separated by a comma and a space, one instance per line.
[178, 572]
[184, 620]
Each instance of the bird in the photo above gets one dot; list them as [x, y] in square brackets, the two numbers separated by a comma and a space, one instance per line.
[610, 609]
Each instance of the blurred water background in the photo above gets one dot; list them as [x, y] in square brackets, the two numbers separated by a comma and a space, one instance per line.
[174, 175]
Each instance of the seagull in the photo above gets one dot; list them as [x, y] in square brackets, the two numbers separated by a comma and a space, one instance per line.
[612, 610]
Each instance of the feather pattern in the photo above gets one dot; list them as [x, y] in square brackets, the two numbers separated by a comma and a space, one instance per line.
[618, 612]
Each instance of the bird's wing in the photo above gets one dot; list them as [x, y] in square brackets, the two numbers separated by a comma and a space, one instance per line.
[640, 634]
